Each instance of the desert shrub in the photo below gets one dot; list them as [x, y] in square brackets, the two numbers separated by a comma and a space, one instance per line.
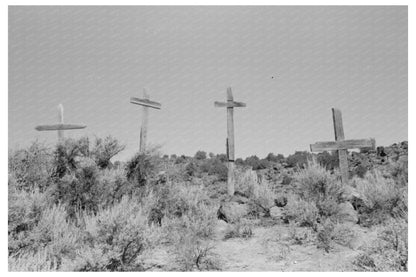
[344, 234]
[67, 154]
[37, 262]
[182, 207]
[188, 222]
[113, 186]
[241, 229]
[104, 149]
[51, 241]
[116, 237]
[261, 192]
[200, 155]
[315, 184]
[25, 211]
[256, 163]
[328, 160]
[79, 190]
[301, 212]
[325, 235]
[389, 252]
[191, 170]
[141, 168]
[192, 253]
[299, 159]
[299, 235]
[215, 166]
[381, 198]
[31, 168]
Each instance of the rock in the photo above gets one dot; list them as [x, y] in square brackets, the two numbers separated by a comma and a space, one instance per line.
[347, 213]
[232, 211]
[280, 201]
[276, 212]
[240, 199]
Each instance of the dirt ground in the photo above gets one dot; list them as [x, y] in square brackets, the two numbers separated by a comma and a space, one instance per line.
[272, 248]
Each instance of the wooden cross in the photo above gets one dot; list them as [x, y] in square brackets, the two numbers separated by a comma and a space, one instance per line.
[146, 103]
[230, 104]
[60, 127]
[341, 145]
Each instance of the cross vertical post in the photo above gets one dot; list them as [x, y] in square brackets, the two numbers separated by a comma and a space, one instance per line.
[61, 126]
[61, 121]
[341, 145]
[146, 103]
[339, 136]
[230, 104]
[143, 129]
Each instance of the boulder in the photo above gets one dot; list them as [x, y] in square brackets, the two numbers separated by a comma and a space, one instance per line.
[347, 213]
[232, 211]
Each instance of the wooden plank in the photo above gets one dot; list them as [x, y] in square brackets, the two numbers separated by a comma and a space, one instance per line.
[233, 104]
[145, 102]
[143, 129]
[230, 126]
[345, 144]
[55, 127]
[61, 121]
[339, 136]
[230, 179]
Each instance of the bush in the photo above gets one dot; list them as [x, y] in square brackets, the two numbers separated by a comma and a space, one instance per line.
[79, 190]
[193, 253]
[25, 211]
[240, 229]
[389, 252]
[67, 155]
[141, 168]
[31, 167]
[303, 213]
[381, 198]
[50, 242]
[104, 150]
[116, 237]
[315, 184]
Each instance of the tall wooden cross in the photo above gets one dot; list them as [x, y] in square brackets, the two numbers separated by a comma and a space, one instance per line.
[341, 145]
[230, 104]
[61, 126]
[146, 103]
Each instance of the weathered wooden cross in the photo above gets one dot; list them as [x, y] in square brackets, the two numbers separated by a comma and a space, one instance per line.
[61, 126]
[341, 145]
[146, 103]
[230, 104]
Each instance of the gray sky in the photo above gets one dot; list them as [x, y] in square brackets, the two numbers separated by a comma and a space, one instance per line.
[92, 59]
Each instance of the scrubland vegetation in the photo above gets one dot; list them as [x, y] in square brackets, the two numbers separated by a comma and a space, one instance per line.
[72, 208]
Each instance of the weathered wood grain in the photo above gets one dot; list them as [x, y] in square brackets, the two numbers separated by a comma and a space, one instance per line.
[339, 136]
[143, 129]
[342, 145]
[58, 127]
[145, 102]
[230, 105]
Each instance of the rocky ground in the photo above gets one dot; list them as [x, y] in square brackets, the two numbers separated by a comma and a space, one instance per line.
[271, 248]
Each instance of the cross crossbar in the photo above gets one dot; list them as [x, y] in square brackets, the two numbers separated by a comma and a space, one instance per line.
[61, 126]
[231, 104]
[145, 102]
[56, 127]
[345, 144]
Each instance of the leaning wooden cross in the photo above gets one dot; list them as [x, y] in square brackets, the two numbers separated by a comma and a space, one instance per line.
[146, 103]
[230, 104]
[341, 145]
[61, 126]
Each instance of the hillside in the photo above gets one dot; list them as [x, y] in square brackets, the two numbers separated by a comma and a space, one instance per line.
[72, 209]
